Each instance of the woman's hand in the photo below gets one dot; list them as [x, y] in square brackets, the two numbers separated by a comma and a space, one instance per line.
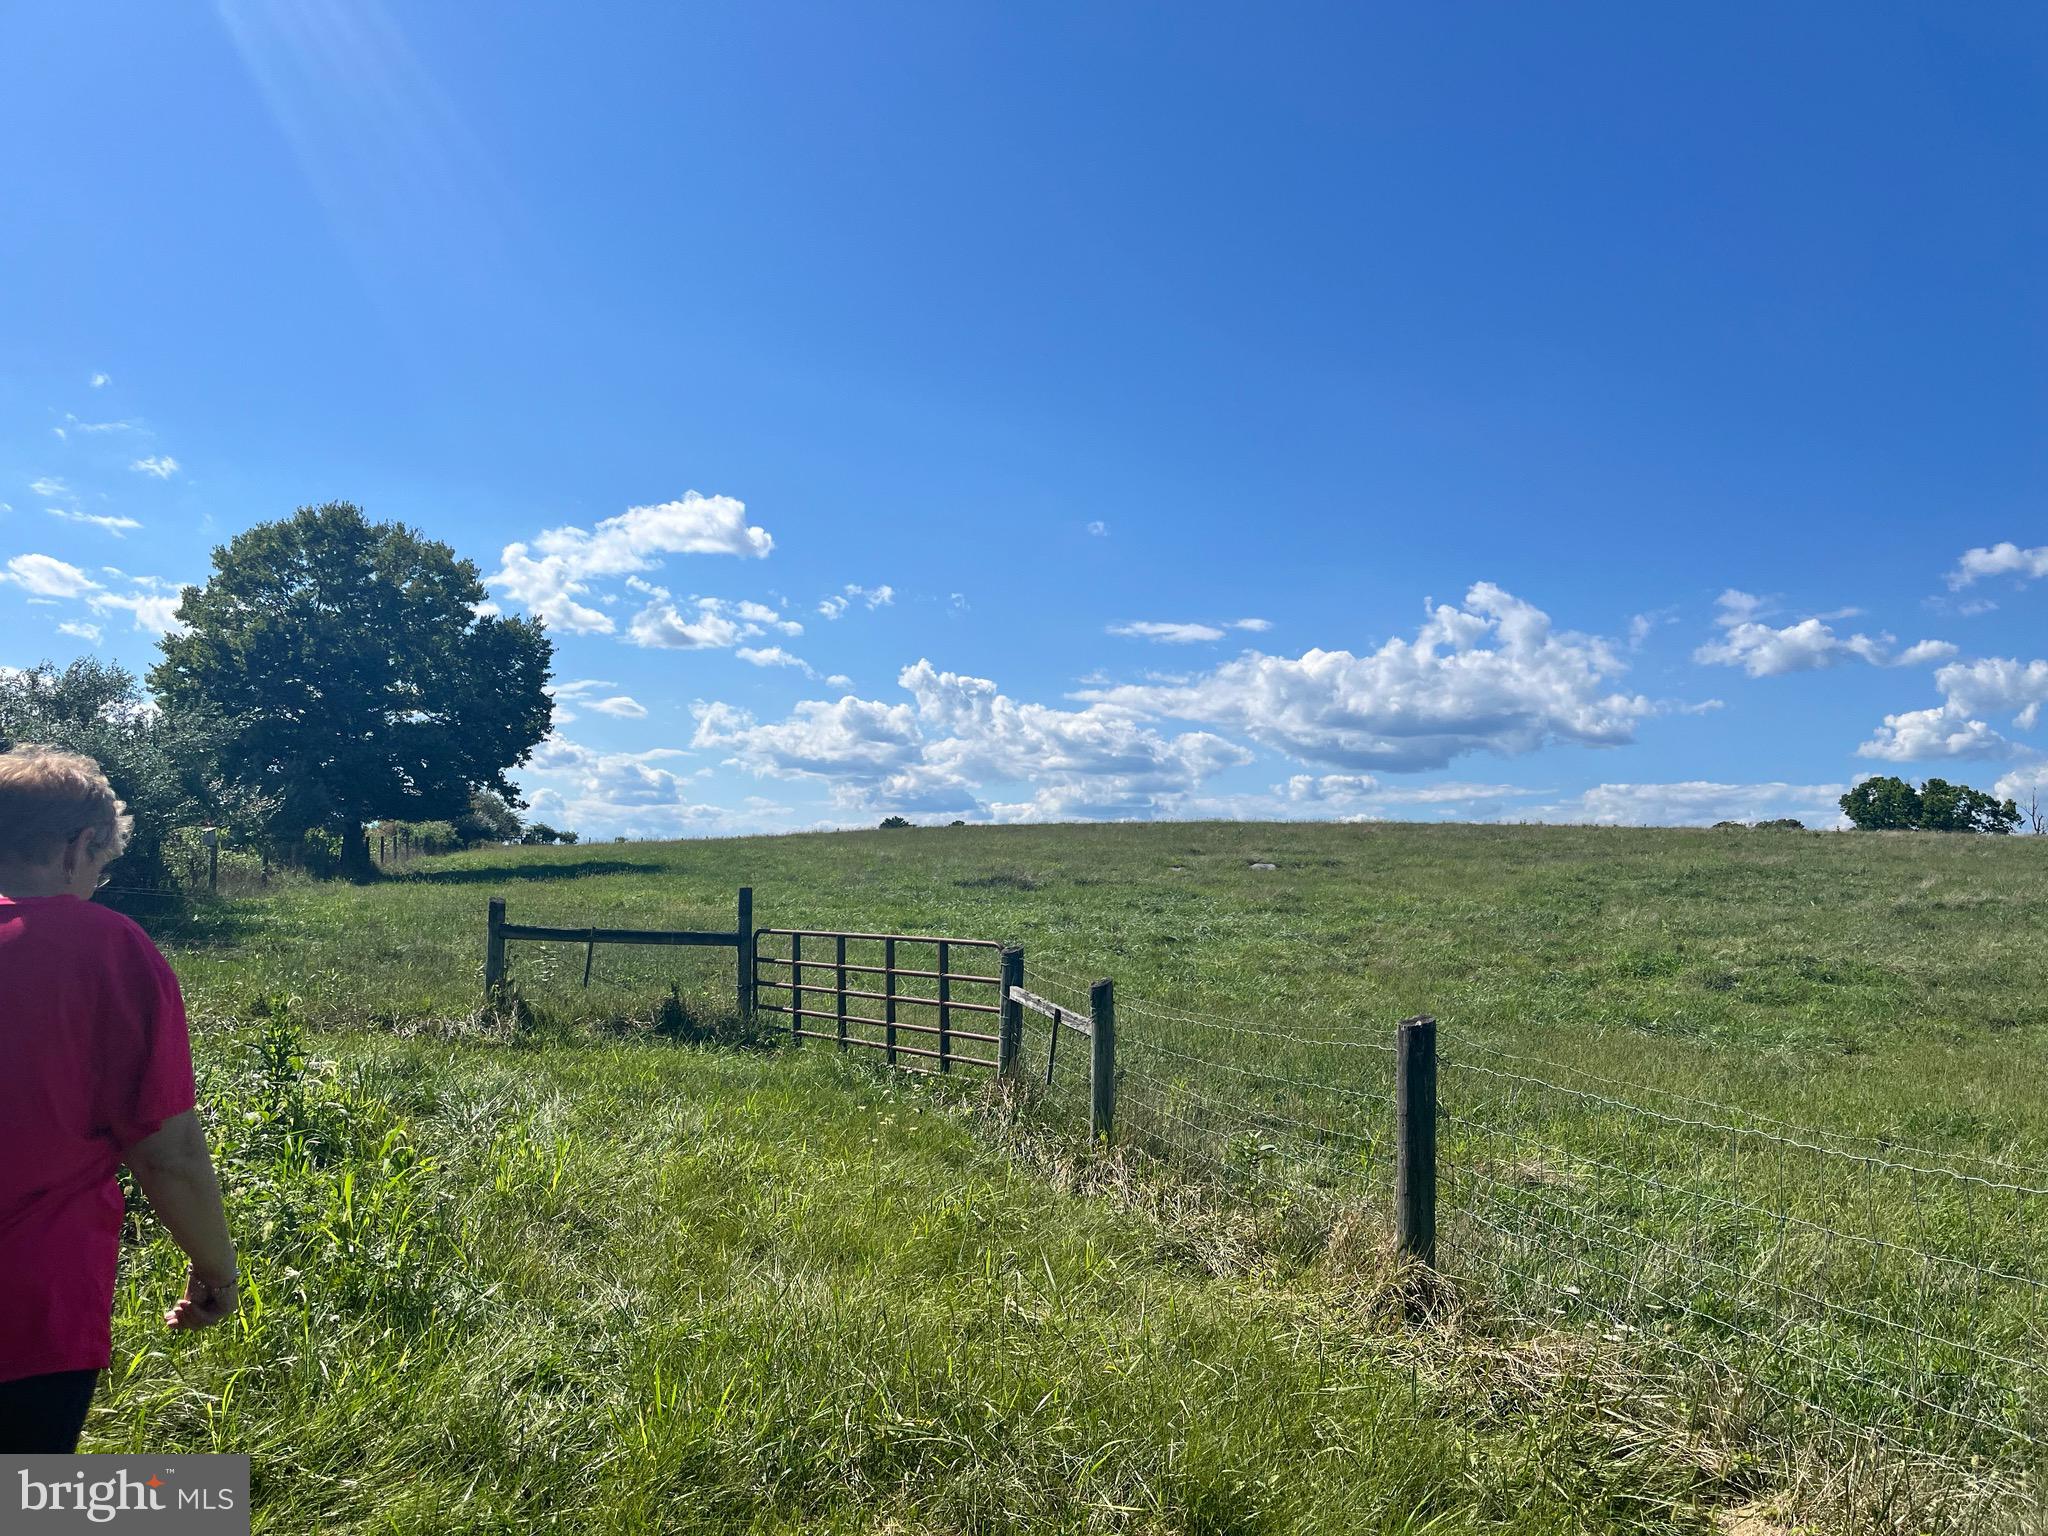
[204, 1303]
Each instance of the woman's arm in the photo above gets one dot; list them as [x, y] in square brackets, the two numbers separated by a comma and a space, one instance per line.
[176, 1174]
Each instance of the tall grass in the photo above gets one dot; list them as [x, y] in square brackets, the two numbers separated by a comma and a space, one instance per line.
[531, 1283]
[1758, 1311]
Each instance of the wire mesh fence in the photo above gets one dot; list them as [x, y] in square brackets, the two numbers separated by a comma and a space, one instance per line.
[1824, 1298]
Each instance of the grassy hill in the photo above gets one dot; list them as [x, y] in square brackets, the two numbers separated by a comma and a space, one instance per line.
[1825, 973]
[1740, 1164]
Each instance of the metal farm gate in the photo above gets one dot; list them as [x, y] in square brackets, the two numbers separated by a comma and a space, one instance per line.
[849, 989]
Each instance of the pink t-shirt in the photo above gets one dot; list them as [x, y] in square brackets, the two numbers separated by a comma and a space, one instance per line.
[94, 1056]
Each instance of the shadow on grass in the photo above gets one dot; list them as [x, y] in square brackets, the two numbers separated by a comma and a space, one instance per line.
[190, 922]
[485, 874]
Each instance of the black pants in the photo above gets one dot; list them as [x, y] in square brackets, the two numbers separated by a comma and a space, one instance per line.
[42, 1415]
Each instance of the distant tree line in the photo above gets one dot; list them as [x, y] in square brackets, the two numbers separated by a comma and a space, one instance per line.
[1891, 804]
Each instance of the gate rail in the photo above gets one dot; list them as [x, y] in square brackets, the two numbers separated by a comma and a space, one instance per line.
[934, 1013]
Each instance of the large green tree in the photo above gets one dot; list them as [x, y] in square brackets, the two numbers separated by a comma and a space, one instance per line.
[1893, 804]
[361, 680]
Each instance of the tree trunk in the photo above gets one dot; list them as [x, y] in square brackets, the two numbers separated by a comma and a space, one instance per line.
[355, 854]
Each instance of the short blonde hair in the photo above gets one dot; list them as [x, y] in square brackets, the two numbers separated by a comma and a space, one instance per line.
[48, 796]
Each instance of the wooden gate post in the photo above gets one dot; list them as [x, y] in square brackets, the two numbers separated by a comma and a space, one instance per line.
[1101, 1060]
[1415, 1138]
[1010, 1034]
[746, 952]
[494, 950]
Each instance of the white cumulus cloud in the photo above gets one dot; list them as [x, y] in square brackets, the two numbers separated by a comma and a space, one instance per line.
[154, 613]
[550, 574]
[2006, 559]
[47, 576]
[621, 793]
[1943, 731]
[1765, 650]
[958, 738]
[163, 466]
[773, 656]
[1997, 684]
[1956, 728]
[1488, 675]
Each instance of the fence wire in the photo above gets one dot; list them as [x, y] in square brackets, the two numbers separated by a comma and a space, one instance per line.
[1834, 1295]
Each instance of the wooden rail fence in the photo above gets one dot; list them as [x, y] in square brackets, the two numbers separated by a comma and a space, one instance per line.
[498, 932]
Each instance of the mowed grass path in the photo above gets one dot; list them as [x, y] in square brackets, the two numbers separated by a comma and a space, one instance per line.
[640, 1287]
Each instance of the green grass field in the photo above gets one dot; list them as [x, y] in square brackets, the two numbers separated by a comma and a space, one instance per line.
[1664, 1302]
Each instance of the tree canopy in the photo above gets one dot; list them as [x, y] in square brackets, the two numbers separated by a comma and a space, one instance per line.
[158, 761]
[1893, 804]
[358, 678]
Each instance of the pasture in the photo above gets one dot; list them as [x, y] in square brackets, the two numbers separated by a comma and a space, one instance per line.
[1737, 1168]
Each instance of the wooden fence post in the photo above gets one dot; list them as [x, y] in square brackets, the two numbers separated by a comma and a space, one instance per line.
[212, 838]
[494, 951]
[840, 957]
[889, 1001]
[746, 952]
[1415, 1138]
[1010, 1035]
[1101, 1060]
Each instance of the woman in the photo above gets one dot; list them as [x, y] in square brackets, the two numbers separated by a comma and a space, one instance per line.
[98, 1072]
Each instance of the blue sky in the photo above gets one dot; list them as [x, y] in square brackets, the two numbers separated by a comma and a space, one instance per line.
[1606, 413]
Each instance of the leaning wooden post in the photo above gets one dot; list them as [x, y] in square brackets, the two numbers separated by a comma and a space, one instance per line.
[1415, 1138]
[1101, 1060]
[746, 952]
[1010, 1034]
[494, 951]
